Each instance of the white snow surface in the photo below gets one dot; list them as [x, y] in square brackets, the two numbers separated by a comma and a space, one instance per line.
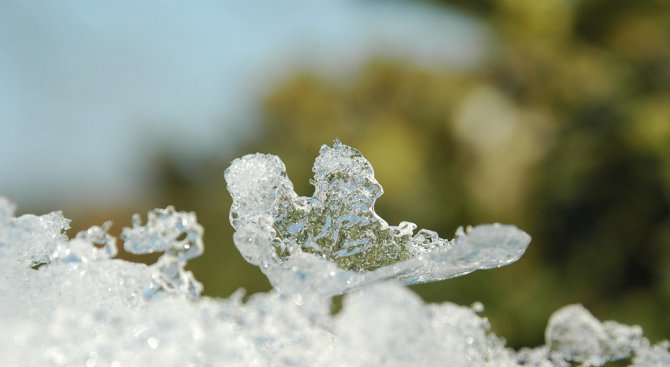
[70, 302]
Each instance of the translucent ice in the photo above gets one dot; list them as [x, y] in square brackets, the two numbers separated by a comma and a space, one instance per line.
[69, 302]
[334, 240]
[43, 271]
[576, 336]
[44, 233]
[90, 245]
[163, 233]
[652, 356]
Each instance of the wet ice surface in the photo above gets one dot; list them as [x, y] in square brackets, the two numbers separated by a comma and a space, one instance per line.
[69, 302]
[334, 241]
[163, 233]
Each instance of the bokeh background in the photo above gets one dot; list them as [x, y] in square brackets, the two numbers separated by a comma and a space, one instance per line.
[552, 115]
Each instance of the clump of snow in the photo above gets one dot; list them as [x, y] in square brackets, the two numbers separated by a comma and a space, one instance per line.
[69, 302]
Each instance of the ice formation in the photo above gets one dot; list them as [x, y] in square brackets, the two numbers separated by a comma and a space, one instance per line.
[162, 233]
[70, 302]
[334, 241]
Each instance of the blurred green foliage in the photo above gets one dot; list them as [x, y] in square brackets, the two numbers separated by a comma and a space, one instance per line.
[564, 130]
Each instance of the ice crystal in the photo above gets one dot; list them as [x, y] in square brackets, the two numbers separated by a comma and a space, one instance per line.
[163, 233]
[575, 335]
[91, 245]
[334, 240]
[70, 302]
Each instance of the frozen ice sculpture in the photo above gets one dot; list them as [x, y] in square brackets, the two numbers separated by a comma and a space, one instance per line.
[334, 241]
[70, 302]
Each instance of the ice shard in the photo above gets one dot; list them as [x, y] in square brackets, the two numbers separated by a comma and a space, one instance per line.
[334, 241]
[179, 236]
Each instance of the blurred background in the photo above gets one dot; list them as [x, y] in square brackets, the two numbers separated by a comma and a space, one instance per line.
[552, 115]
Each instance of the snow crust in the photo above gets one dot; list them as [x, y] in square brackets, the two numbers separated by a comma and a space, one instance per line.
[70, 302]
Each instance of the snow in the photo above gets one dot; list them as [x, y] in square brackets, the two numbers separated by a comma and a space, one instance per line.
[70, 302]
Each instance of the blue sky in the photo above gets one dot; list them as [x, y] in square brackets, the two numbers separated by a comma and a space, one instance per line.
[89, 89]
